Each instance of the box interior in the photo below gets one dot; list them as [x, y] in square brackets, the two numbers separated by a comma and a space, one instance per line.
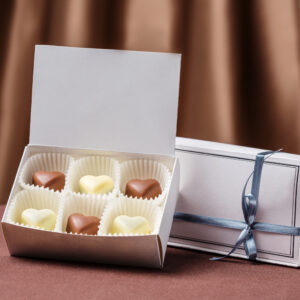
[146, 250]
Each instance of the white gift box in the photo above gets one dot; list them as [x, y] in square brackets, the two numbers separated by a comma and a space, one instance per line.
[119, 104]
[211, 183]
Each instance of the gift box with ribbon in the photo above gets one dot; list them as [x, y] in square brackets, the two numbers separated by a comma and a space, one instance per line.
[218, 212]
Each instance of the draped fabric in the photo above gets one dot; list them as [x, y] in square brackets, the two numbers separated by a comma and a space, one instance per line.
[240, 79]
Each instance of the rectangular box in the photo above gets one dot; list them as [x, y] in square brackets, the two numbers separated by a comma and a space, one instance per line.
[212, 179]
[101, 102]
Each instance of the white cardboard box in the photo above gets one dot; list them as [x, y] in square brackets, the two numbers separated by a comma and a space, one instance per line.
[211, 183]
[108, 102]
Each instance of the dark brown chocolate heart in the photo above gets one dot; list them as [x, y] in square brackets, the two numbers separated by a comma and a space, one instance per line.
[52, 180]
[78, 223]
[147, 188]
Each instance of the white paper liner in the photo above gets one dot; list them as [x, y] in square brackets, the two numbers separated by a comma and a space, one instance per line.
[146, 169]
[93, 205]
[49, 162]
[131, 207]
[96, 166]
[36, 199]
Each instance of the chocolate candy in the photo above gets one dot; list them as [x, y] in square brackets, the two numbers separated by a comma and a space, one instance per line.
[147, 188]
[89, 184]
[78, 223]
[52, 180]
[130, 225]
[43, 218]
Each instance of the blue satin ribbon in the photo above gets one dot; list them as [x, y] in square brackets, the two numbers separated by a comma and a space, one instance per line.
[249, 206]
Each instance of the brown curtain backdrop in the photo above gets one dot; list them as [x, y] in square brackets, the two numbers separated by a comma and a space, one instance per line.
[240, 80]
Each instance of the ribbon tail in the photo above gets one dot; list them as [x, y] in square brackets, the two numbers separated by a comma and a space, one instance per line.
[250, 247]
[241, 239]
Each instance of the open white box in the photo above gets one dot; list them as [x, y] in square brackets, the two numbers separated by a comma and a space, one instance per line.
[115, 103]
[212, 179]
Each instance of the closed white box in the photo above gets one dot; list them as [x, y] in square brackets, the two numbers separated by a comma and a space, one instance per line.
[212, 179]
[101, 102]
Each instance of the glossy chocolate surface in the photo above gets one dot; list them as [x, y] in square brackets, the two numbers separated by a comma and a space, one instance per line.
[52, 180]
[147, 188]
[78, 223]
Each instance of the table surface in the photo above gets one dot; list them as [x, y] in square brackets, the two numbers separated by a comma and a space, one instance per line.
[186, 275]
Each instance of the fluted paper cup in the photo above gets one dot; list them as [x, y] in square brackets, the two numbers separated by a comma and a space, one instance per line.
[36, 199]
[95, 166]
[131, 207]
[88, 206]
[49, 162]
[146, 169]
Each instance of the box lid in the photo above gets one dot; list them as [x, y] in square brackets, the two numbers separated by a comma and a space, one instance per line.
[105, 99]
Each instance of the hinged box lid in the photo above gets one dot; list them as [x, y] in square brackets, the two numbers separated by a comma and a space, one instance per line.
[105, 99]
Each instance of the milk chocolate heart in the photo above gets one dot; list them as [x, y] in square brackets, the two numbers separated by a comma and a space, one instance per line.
[52, 180]
[43, 218]
[147, 188]
[130, 225]
[102, 184]
[78, 223]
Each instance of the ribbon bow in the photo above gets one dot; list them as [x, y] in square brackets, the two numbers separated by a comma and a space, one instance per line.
[249, 206]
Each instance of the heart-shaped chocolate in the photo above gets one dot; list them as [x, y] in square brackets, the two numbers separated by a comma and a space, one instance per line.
[42, 218]
[143, 188]
[130, 225]
[52, 180]
[78, 223]
[102, 184]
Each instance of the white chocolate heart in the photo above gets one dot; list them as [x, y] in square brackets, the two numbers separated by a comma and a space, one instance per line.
[43, 218]
[130, 225]
[89, 184]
